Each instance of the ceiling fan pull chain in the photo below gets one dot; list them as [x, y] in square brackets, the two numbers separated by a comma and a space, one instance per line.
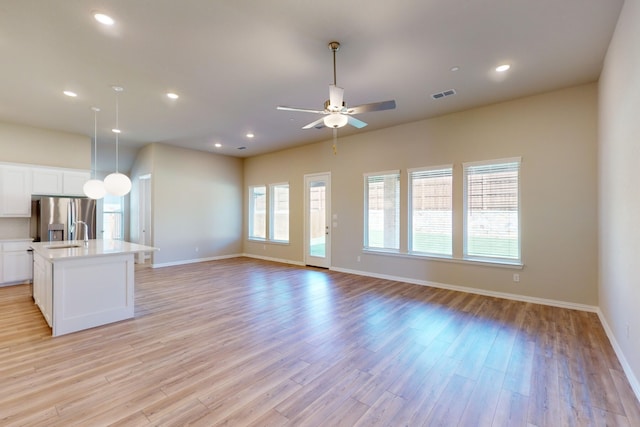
[335, 141]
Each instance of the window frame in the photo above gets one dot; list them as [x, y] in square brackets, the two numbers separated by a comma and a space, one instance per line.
[117, 215]
[366, 242]
[251, 234]
[410, 212]
[497, 259]
[272, 212]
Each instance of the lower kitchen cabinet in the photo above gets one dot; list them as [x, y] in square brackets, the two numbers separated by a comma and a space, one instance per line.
[43, 286]
[15, 265]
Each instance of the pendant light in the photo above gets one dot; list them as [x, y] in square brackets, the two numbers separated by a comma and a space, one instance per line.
[116, 183]
[94, 188]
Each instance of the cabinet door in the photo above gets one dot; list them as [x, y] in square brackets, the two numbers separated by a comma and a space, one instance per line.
[46, 181]
[38, 281]
[43, 286]
[17, 267]
[72, 182]
[15, 191]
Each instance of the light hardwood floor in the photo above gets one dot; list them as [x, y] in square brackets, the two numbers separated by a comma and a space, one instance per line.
[243, 342]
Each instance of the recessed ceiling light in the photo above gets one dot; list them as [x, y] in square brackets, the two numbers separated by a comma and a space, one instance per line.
[502, 68]
[217, 145]
[70, 93]
[173, 95]
[103, 19]
[250, 135]
[116, 130]
[456, 68]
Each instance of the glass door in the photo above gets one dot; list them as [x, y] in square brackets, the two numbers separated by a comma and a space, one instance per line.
[317, 220]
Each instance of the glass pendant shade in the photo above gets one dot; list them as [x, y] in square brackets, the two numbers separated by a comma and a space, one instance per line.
[117, 184]
[335, 120]
[94, 189]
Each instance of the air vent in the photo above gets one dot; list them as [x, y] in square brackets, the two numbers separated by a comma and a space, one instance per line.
[443, 94]
[242, 148]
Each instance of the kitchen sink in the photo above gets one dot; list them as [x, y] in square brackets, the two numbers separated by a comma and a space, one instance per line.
[63, 246]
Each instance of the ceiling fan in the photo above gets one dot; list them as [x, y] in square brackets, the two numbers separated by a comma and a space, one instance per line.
[336, 113]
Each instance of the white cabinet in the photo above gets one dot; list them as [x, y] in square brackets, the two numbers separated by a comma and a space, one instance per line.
[15, 191]
[58, 182]
[16, 262]
[43, 286]
[46, 181]
[72, 182]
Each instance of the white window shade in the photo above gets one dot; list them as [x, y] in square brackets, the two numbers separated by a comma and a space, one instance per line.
[382, 211]
[431, 211]
[257, 212]
[279, 213]
[492, 209]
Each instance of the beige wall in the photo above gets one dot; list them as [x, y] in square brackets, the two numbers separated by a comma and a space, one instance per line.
[554, 133]
[619, 156]
[196, 203]
[24, 144]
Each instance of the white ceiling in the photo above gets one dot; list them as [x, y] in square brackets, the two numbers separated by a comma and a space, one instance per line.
[233, 62]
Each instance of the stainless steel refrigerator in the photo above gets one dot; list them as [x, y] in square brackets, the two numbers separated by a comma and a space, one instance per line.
[62, 218]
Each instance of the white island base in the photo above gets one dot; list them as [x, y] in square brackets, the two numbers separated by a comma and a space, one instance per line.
[90, 292]
[82, 287]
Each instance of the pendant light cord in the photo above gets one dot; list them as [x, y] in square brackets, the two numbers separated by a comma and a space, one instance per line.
[95, 142]
[118, 131]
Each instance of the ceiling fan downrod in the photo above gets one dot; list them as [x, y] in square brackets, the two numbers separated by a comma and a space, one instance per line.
[334, 46]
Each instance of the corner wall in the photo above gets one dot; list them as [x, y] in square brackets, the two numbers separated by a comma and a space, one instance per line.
[196, 203]
[619, 206]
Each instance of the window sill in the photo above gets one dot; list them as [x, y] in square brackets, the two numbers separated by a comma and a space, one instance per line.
[270, 242]
[469, 261]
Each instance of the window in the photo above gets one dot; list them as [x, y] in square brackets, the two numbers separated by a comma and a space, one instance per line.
[258, 212]
[492, 210]
[279, 213]
[430, 210]
[270, 208]
[382, 211]
[112, 217]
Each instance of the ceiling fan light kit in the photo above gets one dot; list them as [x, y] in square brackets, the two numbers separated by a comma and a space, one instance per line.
[336, 113]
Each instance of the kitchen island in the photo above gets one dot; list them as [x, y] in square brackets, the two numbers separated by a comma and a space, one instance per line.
[82, 284]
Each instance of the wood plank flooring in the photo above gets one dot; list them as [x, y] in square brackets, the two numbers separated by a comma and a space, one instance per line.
[243, 342]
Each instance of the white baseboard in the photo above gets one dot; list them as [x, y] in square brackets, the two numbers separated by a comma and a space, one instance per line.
[633, 380]
[193, 261]
[504, 295]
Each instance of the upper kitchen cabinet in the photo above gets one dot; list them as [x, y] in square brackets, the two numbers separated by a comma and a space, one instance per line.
[73, 181]
[58, 182]
[15, 191]
[46, 181]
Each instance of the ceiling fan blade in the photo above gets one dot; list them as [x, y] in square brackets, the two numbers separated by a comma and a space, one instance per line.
[304, 110]
[314, 124]
[336, 95]
[356, 123]
[376, 106]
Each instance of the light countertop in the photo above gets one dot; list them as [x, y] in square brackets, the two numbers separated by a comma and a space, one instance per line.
[69, 249]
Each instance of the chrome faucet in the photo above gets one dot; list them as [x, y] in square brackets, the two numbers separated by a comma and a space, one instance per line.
[86, 231]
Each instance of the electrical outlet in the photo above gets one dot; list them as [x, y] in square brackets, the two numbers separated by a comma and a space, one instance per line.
[197, 249]
[627, 331]
[358, 258]
[516, 277]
